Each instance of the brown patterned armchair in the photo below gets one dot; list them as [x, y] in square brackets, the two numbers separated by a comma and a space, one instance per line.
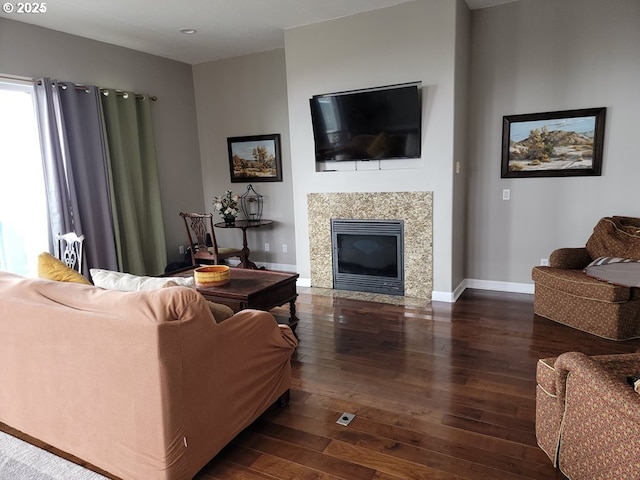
[588, 415]
[566, 294]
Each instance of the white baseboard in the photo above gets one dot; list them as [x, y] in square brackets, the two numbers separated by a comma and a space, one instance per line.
[280, 267]
[284, 267]
[512, 287]
[436, 296]
[448, 297]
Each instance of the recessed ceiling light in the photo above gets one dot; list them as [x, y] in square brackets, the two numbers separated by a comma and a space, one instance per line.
[188, 31]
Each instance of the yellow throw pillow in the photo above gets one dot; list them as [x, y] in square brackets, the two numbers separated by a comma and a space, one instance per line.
[51, 268]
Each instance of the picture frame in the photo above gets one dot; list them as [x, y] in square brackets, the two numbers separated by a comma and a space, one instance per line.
[553, 144]
[255, 158]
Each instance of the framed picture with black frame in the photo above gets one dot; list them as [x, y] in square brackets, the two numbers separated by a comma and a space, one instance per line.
[255, 158]
[553, 144]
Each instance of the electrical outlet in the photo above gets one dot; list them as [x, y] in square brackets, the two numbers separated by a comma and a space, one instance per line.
[266, 247]
[506, 194]
[284, 248]
[544, 262]
[181, 249]
[345, 419]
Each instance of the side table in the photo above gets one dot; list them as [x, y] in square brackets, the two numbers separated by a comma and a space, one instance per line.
[244, 225]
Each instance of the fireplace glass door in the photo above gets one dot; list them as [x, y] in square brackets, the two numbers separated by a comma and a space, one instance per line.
[368, 255]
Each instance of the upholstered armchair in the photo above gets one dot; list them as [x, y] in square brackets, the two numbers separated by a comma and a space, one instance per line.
[566, 293]
[587, 415]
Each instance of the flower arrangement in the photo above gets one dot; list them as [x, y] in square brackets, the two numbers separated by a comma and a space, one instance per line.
[227, 206]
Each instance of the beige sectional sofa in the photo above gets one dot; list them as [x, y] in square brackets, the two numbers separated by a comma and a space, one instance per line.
[145, 385]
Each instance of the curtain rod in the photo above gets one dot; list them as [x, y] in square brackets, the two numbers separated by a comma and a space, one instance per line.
[105, 91]
[16, 78]
[120, 93]
[124, 94]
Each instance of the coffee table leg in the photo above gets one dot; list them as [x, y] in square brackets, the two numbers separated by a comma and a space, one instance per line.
[293, 319]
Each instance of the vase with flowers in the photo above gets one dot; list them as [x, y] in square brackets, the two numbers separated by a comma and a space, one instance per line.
[227, 206]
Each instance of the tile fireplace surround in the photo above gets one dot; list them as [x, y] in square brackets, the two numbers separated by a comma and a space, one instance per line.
[415, 208]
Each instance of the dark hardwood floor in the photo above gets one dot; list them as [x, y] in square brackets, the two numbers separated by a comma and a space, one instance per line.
[441, 392]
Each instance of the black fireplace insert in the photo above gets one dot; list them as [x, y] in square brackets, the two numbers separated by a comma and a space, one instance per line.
[368, 255]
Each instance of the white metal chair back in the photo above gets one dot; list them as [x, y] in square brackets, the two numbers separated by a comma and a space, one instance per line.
[70, 249]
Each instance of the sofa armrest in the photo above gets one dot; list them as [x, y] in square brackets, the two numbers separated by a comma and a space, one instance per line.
[232, 372]
[606, 378]
[288, 335]
[570, 258]
[600, 426]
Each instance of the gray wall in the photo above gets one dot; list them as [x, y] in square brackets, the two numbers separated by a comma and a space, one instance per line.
[460, 165]
[538, 56]
[525, 57]
[247, 96]
[414, 41]
[31, 51]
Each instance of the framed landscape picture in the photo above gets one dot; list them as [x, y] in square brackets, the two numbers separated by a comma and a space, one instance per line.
[255, 158]
[553, 144]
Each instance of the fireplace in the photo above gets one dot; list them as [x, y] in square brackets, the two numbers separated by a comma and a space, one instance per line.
[368, 255]
[413, 208]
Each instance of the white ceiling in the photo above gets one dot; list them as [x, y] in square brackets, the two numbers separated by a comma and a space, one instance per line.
[225, 28]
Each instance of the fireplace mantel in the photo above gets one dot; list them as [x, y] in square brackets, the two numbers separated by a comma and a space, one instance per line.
[414, 208]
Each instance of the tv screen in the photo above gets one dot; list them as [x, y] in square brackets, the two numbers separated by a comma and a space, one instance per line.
[377, 123]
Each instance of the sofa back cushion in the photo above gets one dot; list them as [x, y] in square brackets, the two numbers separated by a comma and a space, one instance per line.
[615, 237]
[577, 284]
[127, 282]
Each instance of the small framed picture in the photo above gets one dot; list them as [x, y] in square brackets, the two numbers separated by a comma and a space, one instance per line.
[255, 158]
[553, 144]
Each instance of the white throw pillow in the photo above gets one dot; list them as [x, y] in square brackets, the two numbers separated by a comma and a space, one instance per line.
[127, 282]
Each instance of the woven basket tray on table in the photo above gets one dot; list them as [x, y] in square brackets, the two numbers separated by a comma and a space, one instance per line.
[212, 275]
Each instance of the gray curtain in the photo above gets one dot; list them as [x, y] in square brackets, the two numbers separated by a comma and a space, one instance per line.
[136, 202]
[75, 168]
[87, 173]
[60, 216]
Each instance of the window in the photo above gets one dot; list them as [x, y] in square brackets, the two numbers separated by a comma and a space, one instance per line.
[23, 207]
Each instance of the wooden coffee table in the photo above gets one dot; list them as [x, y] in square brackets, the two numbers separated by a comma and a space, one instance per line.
[259, 289]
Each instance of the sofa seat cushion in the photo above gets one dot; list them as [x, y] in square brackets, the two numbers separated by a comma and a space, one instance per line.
[220, 312]
[578, 283]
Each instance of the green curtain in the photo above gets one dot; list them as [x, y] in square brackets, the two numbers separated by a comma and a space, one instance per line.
[135, 189]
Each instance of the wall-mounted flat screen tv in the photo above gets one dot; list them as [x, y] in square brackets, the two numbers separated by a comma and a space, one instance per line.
[376, 123]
